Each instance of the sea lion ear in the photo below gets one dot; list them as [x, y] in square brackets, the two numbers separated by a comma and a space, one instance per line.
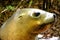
[17, 13]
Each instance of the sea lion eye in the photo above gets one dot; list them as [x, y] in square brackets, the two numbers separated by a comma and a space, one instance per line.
[36, 14]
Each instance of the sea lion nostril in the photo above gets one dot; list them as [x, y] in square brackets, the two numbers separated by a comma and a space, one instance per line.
[54, 16]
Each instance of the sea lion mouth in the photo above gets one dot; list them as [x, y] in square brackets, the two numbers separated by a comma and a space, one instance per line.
[44, 27]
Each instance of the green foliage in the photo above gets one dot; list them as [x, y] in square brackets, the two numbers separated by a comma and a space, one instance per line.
[10, 7]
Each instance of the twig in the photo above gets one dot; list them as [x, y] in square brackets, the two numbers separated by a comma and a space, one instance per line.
[3, 11]
[56, 12]
[30, 3]
[18, 6]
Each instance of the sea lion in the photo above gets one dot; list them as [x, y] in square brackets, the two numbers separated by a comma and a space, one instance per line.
[23, 24]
